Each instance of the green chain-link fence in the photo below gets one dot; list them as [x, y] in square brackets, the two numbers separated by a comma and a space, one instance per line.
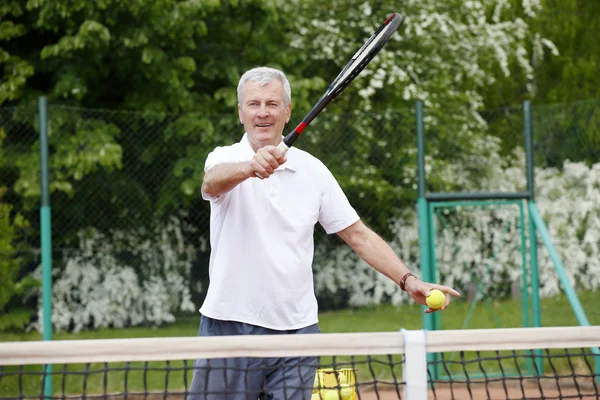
[130, 231]
[567, 160]
[567, 132]
[478, 248]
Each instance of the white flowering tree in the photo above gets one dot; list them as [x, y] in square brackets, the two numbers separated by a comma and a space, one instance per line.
[445, 54]
[486, 242]
[125, 278]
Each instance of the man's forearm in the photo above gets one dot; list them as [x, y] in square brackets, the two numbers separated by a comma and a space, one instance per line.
[224, 177]
[379, 255]
[374, 251]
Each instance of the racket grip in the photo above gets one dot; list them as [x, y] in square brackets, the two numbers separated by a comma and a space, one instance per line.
[283, 148]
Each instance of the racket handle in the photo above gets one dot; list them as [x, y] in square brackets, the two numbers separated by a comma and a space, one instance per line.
[281, 147]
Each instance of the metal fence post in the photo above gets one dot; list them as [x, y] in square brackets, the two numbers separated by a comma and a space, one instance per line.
[430, 321]
[46, 238]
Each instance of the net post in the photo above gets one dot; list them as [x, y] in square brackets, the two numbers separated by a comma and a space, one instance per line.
[46, 238]
[414, 368]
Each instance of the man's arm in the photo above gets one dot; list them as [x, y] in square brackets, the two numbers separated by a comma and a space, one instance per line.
[222, 178]
[379, 255]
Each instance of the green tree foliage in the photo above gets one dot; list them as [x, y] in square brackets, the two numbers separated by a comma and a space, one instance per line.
[177, 60]
[445, 54]
[179, 63]
[12, 282]
[565, 74]
[571, 130]
[566, 77]
[572, 75]
[170, 57]
[162, 56]
[15, 67]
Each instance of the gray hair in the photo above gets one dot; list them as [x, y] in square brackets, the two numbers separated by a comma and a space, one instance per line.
[262, 76]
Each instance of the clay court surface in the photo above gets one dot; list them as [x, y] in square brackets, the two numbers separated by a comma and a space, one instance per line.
[496, 391]
[507, 390]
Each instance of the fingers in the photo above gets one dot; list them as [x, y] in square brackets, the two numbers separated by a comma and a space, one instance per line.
[279, 153]
[266, 161]
[447, 303]
[432, 310]
[445, 289]
[448, 292]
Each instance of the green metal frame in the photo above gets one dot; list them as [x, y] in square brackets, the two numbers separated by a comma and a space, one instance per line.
[582, 319]
[428, 202]
[433, 208]
[430, 321]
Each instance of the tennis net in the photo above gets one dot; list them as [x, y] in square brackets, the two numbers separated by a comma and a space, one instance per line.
[532, 363]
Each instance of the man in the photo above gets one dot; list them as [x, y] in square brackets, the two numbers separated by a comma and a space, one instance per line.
[264, 206]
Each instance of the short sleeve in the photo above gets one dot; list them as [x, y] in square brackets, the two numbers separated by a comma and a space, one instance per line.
[216, 157]
[219, 155]
[336, 213]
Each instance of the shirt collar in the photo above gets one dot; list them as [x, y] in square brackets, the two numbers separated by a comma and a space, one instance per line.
[249, 152]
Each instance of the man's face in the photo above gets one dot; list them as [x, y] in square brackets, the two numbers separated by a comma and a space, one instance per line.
[263, 113]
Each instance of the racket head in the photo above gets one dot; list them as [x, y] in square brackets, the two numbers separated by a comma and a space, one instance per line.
[358, 62]
[364, 55]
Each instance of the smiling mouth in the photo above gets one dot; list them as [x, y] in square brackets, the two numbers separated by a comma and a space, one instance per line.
[264, 125]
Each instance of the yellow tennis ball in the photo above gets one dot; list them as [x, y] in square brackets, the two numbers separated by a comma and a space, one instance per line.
[341, 378]
[436, 299]
[330, 394]
[346, 392]
[329, 380]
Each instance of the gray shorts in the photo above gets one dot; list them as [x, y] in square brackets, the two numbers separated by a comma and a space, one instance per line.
[251, 378]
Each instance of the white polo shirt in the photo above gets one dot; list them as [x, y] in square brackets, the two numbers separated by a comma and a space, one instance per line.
[261, 236]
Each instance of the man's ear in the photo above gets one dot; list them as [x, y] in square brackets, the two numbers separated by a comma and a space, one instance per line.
[240, 114]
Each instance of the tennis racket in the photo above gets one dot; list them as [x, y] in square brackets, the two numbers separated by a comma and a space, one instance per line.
[360, 60]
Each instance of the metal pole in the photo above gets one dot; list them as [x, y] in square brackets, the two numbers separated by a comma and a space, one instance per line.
[420, 151]
[46, 238]
[525, 283]
[528, 133]
[533, 243]
[425, 243]
[558, 266]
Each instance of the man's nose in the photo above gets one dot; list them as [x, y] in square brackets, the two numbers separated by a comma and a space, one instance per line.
[263, 112]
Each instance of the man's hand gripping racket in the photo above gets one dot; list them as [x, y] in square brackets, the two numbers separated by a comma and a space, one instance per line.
[360, 60]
